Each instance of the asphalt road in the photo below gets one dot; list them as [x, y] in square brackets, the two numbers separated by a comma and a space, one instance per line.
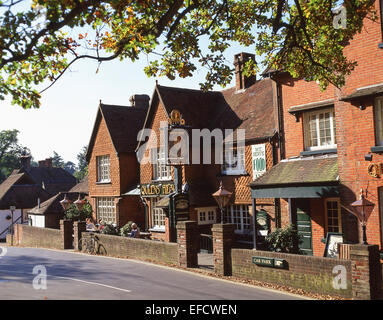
[79, 276]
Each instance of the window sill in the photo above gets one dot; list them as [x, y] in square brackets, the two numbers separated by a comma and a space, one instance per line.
[380, 45]
[161, 230]
[377, 149]
[322, 151]
[233, 173]
[104, 182]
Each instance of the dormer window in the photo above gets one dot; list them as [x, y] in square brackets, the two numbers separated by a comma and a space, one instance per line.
[103, 168]
[319, 129]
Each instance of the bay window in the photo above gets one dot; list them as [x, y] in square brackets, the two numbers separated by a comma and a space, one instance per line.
[105, 209]
[239, 214]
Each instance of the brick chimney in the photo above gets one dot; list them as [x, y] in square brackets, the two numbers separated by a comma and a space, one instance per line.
[140, 101]
[242, 82]
[47, 163]
[25, 161]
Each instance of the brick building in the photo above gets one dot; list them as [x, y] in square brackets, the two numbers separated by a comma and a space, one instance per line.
[112, 163]
[333, 147]
[250, 105]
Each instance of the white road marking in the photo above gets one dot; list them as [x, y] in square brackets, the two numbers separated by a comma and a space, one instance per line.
[74, 279]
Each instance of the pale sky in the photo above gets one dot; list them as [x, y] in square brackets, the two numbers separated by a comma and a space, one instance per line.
[65, 120]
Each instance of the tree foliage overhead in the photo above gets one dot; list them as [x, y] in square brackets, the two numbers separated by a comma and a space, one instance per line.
[10, 152]
[297, 36]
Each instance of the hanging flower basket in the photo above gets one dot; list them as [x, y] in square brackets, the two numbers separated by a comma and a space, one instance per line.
[8, 217]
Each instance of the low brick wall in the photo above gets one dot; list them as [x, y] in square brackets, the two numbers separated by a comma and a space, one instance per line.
[28, 236]
[124, 247]
[313, 274]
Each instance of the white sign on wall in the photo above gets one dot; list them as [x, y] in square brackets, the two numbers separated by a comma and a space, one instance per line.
[258, 157]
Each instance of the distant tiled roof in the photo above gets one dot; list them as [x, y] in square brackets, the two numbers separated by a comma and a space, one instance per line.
[303, 171]
[52, 179]
[123, 124]
[21, 191]
[82, 186]
[52, 205]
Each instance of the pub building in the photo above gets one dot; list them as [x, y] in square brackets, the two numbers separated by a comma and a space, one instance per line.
[250, 105]
[332, 148]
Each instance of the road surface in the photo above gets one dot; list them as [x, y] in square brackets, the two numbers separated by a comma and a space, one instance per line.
[72, 275]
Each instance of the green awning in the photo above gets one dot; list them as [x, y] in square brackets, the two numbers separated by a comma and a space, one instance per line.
[296, 192]
[299, 178]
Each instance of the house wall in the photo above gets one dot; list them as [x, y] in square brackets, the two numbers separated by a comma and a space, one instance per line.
[124, 174]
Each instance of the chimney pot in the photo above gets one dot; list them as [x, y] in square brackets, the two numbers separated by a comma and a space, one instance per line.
[140, 101]
[242, 82]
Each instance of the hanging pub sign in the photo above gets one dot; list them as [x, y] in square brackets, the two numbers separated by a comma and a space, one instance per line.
[176, 118]
[181, 206]
[258, 157]
[157, 189]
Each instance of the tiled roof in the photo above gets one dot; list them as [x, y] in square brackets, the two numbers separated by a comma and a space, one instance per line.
[251, 109]
[52, 179]
[123, 124]
[21, 191]
[302, 171]
[82, 186]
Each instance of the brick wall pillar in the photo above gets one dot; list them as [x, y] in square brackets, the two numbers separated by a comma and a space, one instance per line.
[78, 228]
[223, 238]
[187, 239]
[366, 272]
[66, 228]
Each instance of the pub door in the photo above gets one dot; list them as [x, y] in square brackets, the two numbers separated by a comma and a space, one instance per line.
[304, 226]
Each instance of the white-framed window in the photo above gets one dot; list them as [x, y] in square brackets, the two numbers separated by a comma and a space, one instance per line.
[158, 215]
[105, 209]
[207, 215]
[378, 108]
[161, 171]
[103, 168]
[333, 215]
[239, 214]
[234, 161]
[320, 130]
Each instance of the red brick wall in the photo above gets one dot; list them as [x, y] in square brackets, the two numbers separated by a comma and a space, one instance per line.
[355, 127]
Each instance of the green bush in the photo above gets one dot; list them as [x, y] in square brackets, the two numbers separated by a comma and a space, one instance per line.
[109, 229]
[284, 240]
[126, 229]
[79, 215]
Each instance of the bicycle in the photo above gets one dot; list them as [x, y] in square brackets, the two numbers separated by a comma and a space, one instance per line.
[91, 245]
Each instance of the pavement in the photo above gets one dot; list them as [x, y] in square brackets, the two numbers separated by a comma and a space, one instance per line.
[78, 276]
